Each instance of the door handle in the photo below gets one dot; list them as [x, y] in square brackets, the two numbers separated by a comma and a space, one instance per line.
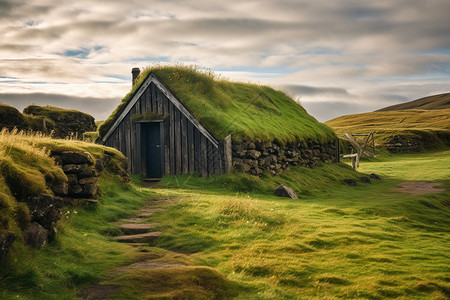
[158, 146]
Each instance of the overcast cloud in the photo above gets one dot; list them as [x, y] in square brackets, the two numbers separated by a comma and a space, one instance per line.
[336, 57]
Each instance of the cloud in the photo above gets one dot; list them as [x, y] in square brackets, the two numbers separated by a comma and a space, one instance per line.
[347, 51]
[312, 91]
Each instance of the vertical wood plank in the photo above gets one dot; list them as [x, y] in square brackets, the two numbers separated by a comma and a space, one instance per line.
[210, 158]
[166, 125]
[178, 142]
[197, 148]
[191, 145]
[184, 145]
[163, 151]
[172, 139]
[148, 100]
[159, 97]
[203, 156]
[154, 98]
[138, 146]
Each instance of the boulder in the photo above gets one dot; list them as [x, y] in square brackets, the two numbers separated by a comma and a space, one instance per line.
[365, 179]
[35, 235]
[375, 176]
[350, 181]
[89, 190]
[60, 189]
[70, 157]
[285, 191]
[7, 238]
[45, 210]
[253, 154]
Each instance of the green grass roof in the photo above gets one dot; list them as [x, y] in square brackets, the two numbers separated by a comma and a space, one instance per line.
[248, 111]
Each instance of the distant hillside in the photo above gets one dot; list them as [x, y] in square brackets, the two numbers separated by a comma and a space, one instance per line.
[441, 101]
[404, 130]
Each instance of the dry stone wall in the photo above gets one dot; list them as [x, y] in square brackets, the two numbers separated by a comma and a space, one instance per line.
[255, 157]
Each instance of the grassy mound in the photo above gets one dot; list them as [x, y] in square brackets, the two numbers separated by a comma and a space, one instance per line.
[431, 128]
[26, 168]
[248, 111]
[64, 122]
[441, 101]
[10, 117]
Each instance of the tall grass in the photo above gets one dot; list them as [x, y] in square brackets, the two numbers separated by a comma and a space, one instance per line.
[336, 241]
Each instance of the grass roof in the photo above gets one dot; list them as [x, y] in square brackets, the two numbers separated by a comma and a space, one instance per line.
[248, 111]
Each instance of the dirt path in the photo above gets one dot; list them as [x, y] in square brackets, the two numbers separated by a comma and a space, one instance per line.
[419, 187]
[138, 232]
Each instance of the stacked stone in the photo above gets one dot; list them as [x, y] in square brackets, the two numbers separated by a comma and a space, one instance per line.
[256, 157]
[402, 144]
[82, 174]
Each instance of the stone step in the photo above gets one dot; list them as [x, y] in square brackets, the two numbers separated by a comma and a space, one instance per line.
[131, 220]
[148, 212]
[136, 228]
[139, 238]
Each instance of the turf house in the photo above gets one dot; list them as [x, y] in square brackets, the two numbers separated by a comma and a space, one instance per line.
[178, 119]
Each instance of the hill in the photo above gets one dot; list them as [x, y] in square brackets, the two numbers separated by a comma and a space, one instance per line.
[404, 130]
[248, 111]
[441, 101]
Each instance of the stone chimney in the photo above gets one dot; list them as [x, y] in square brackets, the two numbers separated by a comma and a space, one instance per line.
[135, 72]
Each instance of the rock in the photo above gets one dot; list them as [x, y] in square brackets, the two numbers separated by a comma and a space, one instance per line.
[87, 173]
[365, 179]
[136, 228]
[7, 238]
[99, 165]
[285, 191]
[251, 146]
[375, 176]
[35, 235]
[73, 179]
[60, 189]
[75, 189]
[70, 157]
[45, 210]
[87, 180]
[350, 181]
[75, 168]
[89, 190]
[253, 154]
[139, 238]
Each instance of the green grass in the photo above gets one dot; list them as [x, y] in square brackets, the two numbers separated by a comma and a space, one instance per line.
[337, 241]
[238, 240]
[248, 111]
[83, 251]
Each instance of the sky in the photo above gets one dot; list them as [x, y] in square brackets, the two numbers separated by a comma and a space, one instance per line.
[335, 57]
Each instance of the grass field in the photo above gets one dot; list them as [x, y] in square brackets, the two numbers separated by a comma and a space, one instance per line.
[364, 242]
[238, 240]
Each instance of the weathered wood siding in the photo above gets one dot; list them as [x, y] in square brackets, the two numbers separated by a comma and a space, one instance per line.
[185, 149]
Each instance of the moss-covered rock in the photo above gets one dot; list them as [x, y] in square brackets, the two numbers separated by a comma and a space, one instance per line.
[11, 117]
[63, 122]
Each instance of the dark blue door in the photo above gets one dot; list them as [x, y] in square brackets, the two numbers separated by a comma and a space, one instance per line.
[153, 142]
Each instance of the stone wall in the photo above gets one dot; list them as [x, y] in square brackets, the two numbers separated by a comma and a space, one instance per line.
[402, 144]
[255, 157]
[81, 187]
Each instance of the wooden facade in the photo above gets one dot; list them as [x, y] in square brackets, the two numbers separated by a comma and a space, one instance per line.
[174, 144]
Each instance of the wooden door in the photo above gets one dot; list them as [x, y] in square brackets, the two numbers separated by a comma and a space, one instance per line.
[152, 133]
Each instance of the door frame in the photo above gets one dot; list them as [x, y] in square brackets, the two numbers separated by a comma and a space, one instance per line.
[144, 144]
